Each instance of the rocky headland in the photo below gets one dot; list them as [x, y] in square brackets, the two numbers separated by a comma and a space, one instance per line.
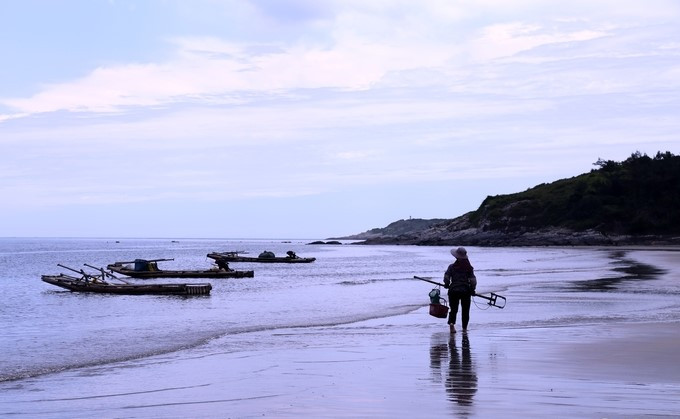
[634, 202]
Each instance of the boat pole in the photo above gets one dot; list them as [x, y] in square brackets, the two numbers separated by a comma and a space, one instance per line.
[146, 260]
[106, 274]
[82, 272]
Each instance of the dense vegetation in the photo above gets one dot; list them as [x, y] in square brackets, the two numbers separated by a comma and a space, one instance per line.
[640, 195]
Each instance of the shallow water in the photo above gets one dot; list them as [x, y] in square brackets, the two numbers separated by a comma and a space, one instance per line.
[48, 332]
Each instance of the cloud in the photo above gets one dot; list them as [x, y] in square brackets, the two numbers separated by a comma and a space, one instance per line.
[354, 155]
[208, 70]
[508, 39]
[366, 45]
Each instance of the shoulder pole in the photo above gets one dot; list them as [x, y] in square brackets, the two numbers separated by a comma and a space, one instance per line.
[430, 281]
[494, 299]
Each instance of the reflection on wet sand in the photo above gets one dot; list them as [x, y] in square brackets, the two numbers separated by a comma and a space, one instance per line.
[631, 270]
[461, 376]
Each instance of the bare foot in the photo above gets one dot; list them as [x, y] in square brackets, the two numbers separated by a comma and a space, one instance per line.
[452, 328]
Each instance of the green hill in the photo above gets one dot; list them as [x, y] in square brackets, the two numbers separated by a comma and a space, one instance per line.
[633, 201]
[640, 195]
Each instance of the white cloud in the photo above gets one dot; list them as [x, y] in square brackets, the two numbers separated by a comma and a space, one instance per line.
[508, 39]
[363, 44]
[369, 44]
[211, 70]
[354, 155]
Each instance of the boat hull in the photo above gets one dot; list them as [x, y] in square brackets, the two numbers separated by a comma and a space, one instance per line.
[237, 258]
[80, 285]
[213, 273]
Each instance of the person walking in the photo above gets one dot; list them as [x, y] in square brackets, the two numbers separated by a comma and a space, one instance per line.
[461, 282]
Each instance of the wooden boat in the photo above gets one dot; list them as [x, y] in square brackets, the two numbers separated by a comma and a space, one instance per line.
[81, 285]
[145, 269]
[264, 257]
[100, 284]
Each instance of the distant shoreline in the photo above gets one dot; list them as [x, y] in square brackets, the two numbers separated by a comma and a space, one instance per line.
[546, 238]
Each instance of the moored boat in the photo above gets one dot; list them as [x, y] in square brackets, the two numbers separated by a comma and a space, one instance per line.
[100, 284]
[264, 257]
[144, 269]
[102, 287]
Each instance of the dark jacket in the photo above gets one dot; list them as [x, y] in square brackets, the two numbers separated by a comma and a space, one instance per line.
[460, 277]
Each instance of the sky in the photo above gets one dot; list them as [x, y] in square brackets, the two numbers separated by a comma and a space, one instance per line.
[316, 118]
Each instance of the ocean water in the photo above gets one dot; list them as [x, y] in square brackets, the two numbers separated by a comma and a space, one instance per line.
[46, 330]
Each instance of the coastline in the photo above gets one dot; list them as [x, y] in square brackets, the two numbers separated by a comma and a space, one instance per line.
[401, 366]
[550, 238]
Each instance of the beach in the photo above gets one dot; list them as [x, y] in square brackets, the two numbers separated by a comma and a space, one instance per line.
[404, 365]
[400, 368]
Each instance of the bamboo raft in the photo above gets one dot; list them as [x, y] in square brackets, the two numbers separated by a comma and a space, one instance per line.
[100, 284]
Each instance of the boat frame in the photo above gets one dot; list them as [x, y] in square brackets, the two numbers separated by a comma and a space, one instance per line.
[236, 257]
[121, 268]
[95, 284]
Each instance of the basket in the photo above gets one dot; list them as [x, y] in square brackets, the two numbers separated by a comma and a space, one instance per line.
[439, 310]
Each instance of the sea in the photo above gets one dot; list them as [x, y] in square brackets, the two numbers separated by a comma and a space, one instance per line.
[48, 331]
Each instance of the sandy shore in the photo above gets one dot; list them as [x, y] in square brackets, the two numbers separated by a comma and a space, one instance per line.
[402, 371]
[398, 370]
[406, 366]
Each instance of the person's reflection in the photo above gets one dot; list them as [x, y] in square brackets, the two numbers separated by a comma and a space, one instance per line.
[461, 379]
[439, 350]
[461, 384]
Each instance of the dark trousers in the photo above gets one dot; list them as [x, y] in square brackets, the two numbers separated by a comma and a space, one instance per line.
[464, 299]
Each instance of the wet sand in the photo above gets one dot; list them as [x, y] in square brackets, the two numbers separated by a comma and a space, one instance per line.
[405, 366]
[396, 369]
